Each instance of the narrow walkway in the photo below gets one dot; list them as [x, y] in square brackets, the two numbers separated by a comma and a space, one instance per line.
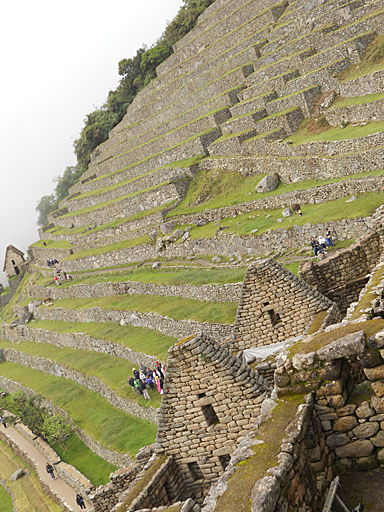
[61, 488]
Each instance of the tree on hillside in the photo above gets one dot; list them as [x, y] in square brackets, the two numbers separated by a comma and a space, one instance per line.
[135, 73]
[56, 429]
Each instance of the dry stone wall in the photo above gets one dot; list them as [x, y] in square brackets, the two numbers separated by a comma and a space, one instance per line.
[77, 340]
[168, 326]
[210, 402]
[90, 382]
[354, 431]
[229, 292]
[227, 244]
[341, 276]
[275, 305]
[115, 458]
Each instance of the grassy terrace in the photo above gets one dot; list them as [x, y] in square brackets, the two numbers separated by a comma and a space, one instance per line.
[139, 339]
[312, 130]
[114, 429]
[357, 100]
[131, 242]
[27, 491]
[177, 308]
[113, 371]
[170, 277]
[262, 220]
[85, 460]
[218, 188]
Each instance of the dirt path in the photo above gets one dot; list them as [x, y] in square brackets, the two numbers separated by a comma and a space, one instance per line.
[365, 487]
[62, 489]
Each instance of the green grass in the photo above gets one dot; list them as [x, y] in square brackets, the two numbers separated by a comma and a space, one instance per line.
[117, 246]
[338, 209]
[52, 244]
[307, 133]
[28, 494]
[177, 308]
[372, 61]
[172, 277]
[5, 499]
[6, 313]
[96, 469]
[357, 100]
[219, 188]
[139, 339]
[112, 371]
[293, 267]
[112, 428]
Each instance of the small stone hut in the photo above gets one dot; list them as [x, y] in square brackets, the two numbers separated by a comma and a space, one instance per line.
[211, 400]
[275, 305]
[14, 261]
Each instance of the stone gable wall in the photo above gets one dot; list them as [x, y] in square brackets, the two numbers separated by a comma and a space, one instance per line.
[210, 402]
[275, 305]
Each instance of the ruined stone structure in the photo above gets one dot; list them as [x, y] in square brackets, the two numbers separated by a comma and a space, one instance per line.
[342, 276]
[275, 305]
[14, 261]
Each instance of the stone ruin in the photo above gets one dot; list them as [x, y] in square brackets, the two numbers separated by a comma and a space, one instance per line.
[216, 410]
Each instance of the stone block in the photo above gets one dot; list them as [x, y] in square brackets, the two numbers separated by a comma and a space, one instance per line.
[350, 345]
[376, 373]
[355, 449]
[364, 411]
[366, 430]
[344, 424]
[335, 440]
[378, 388]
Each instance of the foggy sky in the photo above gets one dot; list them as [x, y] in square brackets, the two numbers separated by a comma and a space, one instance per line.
[58, 62]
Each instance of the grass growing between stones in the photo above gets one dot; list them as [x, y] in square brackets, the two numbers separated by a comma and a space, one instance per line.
[85, 460]
[248, 472]
[317, 341]
[177, 308]
[262, 220]
[357, 100]
[114, 372]
[189, 276]
[139, 339]
[312, 130]
[372, 61]
[27, 491]
[114, 429]
[218, 188]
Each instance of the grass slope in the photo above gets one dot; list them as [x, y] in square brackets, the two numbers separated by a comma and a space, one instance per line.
[139, 339]
[113, 371]
[85, 460]
[175, 307]
[112, 428]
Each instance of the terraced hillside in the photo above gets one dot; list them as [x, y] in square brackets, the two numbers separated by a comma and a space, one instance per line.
[159, 231]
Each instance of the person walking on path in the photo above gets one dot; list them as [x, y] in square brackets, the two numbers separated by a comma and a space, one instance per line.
[80, 501]
[3, 421]
[49, 469]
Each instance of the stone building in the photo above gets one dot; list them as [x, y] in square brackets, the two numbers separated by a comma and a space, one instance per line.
[14, 261]
[275, 305]
[211, 401]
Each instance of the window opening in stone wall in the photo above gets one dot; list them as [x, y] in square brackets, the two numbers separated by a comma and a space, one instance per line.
[195, 470]
[210, 415]
[13, 262]
[275, 317]
[224, 460]
[201, 395]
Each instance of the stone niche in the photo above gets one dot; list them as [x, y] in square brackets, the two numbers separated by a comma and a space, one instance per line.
[211, 400]
[275, 305]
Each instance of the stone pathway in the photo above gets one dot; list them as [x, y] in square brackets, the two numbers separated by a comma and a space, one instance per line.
[58, 486]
